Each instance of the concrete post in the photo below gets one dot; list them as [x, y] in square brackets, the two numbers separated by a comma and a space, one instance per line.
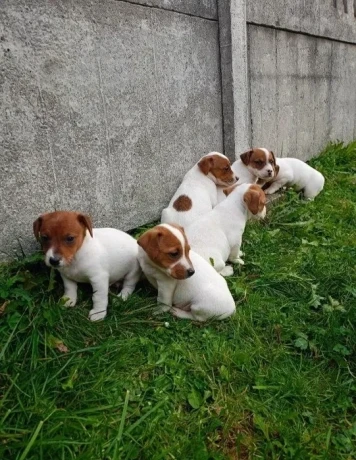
[234, 75]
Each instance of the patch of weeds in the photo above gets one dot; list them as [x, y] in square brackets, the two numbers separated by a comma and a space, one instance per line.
[275, 381]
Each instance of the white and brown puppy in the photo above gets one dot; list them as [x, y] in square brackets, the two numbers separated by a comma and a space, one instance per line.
[217, 235]
[255, 164]
[297, 174]
[197, 193]
[99, 256]
[187, 285]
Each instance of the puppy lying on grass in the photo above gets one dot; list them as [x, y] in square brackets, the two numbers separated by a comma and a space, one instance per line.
[188, 286]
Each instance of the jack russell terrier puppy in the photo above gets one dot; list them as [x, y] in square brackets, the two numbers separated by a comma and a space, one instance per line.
[258, 163]
[297, 174]
[197, 193]
[217, 235]
[81, 254]
[188, 286]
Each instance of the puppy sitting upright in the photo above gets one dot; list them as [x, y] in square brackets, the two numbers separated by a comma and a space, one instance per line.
[217, 235]
[99, 256]
[197, 194]
[188, 286]
[297, 174]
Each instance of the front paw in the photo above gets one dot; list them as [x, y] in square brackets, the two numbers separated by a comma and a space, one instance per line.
[69, 301]
[237, 261]
[161, 309]
[227, 271]
[97, 315]
[124, 295]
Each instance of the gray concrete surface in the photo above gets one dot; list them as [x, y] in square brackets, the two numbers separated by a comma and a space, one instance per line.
[105, 105]
[302, 91]
[315, 17]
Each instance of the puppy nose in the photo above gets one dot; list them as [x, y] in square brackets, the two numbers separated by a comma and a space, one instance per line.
[269, 172]
[237, 178]
[54, 261]
[190, 272]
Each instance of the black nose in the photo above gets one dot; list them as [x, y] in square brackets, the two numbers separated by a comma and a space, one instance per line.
[54, 261]
[269, 172]
[237, 178]
[190, 272]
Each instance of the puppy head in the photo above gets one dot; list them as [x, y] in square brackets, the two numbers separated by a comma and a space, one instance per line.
[218, 168]
[61, 234]
[255, 200]
[167, 247]
[260, 162]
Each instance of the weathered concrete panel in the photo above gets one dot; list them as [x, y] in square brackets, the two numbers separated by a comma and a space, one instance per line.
[302, 91]
[202, 8]
[105, 105]
[315, 17]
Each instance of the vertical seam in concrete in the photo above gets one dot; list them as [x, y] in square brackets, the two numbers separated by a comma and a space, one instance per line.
[249, 95]
[330, 91]
[102, 97]
[43, 110]
[221, 87]
[156, 84]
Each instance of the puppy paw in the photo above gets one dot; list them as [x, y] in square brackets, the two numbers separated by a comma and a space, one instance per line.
[124, 295]
[69, 301]
[227, 271]
[161, 309]
[241, 254]
[237, 261]
[96, 315]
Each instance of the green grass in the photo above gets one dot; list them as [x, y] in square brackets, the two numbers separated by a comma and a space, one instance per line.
[275, 381]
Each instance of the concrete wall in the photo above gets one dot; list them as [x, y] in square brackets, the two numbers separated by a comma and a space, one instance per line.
[105, 105]
[302, 81]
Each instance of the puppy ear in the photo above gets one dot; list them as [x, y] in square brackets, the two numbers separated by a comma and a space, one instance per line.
[273, 156]
[205, 164]
[37, 227]
[86, 222]
[228, 190]
[245, 157]
[252, 200]
[277, 170]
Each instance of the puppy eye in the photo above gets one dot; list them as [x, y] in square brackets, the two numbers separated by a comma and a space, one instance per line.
[174, 254]
[44, 238]
[69, 239]
[226, 168]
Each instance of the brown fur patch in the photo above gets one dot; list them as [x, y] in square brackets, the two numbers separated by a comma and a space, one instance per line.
[165, 249]
[255, 199]
[182, 203]
[228, 190]
[63, 231]
[219, 167]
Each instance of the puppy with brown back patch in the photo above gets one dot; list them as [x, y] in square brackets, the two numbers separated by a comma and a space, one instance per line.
[82, 254]
[217, 236]
[197, 193]
[187, 285]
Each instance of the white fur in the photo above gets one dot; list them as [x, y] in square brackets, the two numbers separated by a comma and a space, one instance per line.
[201, 189]
[203, 296]
[108, 257]
[242, 173]
[217, 235]
[295, 173]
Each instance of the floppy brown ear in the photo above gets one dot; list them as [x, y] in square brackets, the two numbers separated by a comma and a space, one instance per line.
[149, 242]
[228, 190]
[252, 200]
[37, 227]
[273, 156]
[205, 164]
[277, 170]
[245, 157]
[86, 222]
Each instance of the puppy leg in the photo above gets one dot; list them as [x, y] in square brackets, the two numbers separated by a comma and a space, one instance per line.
[70, 292]
[178, 313]
[274, 187]
[166, 290]
[235, 254]
[221, 267]
[100, 298]
[130, 281]
[227, 271]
